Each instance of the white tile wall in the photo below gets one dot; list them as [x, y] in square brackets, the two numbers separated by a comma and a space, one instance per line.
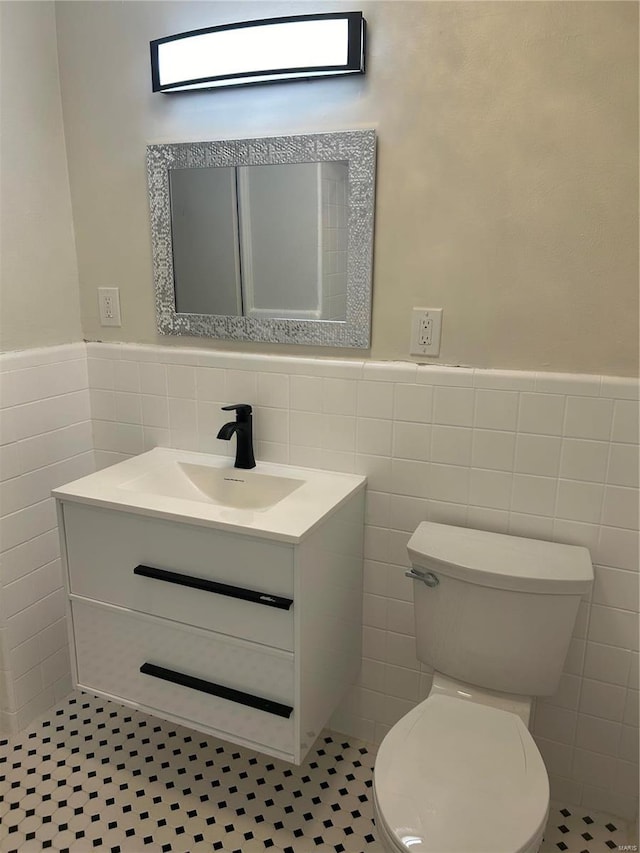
[544, 455]
[45, 440]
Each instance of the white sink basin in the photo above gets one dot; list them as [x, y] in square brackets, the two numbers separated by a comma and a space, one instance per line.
[232, 487]
[271, 501]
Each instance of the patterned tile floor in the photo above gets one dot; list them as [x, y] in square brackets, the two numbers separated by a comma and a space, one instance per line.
[94, 775]
[578, 830]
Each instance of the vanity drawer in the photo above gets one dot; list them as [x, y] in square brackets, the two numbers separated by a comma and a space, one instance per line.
[210, 681]
[236, 585]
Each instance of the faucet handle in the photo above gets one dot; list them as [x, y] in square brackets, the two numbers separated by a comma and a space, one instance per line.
[242, 410]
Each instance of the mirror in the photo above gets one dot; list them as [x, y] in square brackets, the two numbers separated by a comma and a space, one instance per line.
[261, 241]
[265, 239]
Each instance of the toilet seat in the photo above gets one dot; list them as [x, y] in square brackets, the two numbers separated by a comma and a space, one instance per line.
[454, 776]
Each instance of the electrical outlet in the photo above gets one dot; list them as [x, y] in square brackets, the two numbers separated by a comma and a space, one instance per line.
[109, 305]
[426, 326]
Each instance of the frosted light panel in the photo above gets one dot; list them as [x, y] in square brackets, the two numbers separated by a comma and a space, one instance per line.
[277, 46]
[264, 51]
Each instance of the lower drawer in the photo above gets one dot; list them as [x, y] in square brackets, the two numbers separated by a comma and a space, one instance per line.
[208, 680]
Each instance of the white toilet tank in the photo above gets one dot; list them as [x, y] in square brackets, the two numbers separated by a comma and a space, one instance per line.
[501, 610]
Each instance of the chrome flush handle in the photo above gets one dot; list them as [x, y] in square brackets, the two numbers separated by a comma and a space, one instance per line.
[427, 578]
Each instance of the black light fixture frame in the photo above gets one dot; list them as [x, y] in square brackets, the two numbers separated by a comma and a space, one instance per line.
[355, 55]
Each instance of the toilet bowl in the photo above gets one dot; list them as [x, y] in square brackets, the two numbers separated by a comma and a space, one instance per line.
[455, 775]
[460, 773]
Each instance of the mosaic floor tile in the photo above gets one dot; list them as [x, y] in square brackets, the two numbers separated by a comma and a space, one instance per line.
[574, 829]
[96, 776]
[93, 775]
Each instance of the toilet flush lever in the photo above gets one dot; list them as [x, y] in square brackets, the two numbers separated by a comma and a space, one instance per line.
[426, 577]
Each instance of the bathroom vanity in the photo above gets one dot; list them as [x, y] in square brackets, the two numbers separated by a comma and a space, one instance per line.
[228, 601]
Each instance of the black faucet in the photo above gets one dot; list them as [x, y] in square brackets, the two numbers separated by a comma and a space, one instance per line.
[242, 426]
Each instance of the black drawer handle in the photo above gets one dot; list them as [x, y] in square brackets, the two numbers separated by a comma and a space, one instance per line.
[214, 586]
[220, 690]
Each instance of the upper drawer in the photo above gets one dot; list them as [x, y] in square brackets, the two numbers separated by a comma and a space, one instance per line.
[105, 547]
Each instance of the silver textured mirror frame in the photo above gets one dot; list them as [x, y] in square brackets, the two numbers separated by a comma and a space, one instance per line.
[357, 148]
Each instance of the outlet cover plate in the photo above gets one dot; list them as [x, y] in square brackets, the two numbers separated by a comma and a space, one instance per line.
[426, 329]
[109, 306]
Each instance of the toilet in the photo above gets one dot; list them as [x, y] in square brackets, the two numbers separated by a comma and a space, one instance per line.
[494, 614]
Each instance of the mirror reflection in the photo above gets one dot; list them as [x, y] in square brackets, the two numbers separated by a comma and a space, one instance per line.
[266, 242]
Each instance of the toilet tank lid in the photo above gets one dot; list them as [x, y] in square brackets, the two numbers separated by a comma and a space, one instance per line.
[501, 561]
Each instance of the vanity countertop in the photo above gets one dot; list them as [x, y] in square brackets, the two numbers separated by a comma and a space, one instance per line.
[178, 484]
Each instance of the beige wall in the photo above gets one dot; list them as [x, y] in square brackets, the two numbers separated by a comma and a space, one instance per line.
[38, 271]
[507, 167]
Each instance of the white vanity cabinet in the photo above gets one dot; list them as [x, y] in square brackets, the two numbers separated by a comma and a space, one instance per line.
[249, 637]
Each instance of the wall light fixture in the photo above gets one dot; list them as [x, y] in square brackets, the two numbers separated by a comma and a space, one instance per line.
[267, 51]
